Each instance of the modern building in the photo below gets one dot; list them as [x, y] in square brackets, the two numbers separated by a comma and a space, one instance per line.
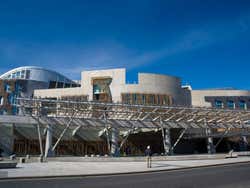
[110, 86]
[221, 98]
[22, 81]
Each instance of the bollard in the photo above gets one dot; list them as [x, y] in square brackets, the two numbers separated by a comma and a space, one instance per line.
[40, 159]
[22, 160]
[27, 157]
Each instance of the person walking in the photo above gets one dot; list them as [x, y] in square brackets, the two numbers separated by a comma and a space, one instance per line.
[148, 154]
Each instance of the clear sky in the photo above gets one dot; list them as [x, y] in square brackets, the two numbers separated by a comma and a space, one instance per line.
[205, 42]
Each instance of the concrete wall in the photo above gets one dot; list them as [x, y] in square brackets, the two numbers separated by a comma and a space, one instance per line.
[198, 96]
[57, 93]
[147, 83]
[159, 84]
[118, 81]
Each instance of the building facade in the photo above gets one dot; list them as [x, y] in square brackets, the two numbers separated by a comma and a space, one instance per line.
[22, 81]
[221, 98]
[108, 86]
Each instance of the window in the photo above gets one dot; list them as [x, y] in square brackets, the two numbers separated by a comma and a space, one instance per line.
[159, 101]
[59, 84]
[242, 105]
[151, 99]
[18, 74]
[23, 74]
[143, 99]
[128, 98]
[165, 100]
[7, 88]
[13, 75]
[96, 89]
[134, 98]
[27, 74]
[231, 104]
[52, 84]
[218, 104]
[67, 85]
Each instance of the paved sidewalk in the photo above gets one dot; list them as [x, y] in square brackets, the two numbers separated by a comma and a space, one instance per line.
[92, 168]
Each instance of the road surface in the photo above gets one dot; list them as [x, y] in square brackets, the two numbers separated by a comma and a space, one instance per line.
[229, 176]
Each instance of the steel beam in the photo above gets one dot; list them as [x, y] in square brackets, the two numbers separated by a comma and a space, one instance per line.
[210, 143]
[48, 145]
[167, 141]
[179, 139]
[64, 131]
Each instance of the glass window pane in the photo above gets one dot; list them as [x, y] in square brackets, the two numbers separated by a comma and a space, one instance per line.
[27, 74]
[242, 105]
[230, 104]
[18, 74]
[218, 104]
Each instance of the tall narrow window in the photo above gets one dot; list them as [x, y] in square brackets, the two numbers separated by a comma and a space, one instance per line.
[23, 74]
[27, 74]
[143, 99]
[18, 74]
[152, 99]
[159, 99]
[231, 104]
[7, 88]
[134, 98]
[243, 105]
[218, 104]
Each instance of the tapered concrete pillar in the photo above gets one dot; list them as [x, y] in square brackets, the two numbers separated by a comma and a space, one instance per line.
[48, 144]
[210, 143]
[114, 142]
[167, 142]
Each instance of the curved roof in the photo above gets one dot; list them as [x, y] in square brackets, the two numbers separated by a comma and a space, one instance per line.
[35, 73]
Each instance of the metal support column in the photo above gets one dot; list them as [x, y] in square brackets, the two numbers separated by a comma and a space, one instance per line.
[167, 141]
[210, 143]
[64, 131]
[48, 144]
[243, 143]
[114, 142]
[40, 139]
[179, 139]
[107, 131]
[163, 135]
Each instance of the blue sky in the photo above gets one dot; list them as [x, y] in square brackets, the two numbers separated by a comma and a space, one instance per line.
[206, 43]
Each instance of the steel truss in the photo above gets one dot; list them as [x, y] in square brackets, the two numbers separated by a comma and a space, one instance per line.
[129, 117]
